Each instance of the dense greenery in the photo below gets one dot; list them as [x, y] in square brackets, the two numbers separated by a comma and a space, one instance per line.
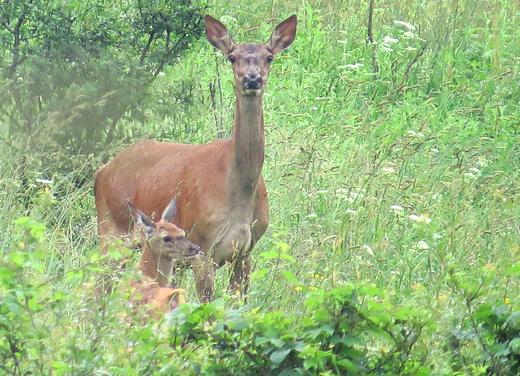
[393, 172]
[72, 69]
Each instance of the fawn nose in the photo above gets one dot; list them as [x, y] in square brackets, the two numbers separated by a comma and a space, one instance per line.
[194, 248]
[252, 80]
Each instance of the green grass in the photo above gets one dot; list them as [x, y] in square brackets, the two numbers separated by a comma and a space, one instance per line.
[408, 182]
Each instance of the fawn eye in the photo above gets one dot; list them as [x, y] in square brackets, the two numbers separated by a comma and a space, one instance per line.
[167, 239]
[270, 58]
[232, 59]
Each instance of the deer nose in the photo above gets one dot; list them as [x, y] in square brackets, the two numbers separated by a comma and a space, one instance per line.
[252, 80]
[194, 248]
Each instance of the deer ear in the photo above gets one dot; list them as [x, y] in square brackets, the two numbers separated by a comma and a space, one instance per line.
[218, 35]
[141, 220]
[169, 211]
[283, 35]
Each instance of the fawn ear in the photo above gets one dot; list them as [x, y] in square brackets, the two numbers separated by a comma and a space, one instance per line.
[169, 211]
[141, 220]
[283, 35]
[218, 35]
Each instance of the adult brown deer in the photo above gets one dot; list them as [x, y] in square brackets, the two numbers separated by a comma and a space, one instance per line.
[220, 192]
[163, 245]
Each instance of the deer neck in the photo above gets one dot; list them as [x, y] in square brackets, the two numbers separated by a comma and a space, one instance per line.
[157, 267]
[248, 149]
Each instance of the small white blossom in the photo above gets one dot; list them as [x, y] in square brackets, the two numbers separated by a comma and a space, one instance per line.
[412, 132]
[404, 25]
[389, 170]
[409, 34]
[434, 150]
[43, 181]
[312, 215]
[436, 236]
[388, 40]
[396, 208]
[356, 195]
[420, 218]
[353, 66]
[368, 249]
[314, 108]
[421, 244]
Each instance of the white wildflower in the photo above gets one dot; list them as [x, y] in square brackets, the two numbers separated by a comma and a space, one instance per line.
[312, 215]
[388, 170]
[350, 211]
[409, 34]
[420, 218]
[421, 244]
[389, 40]
[353, 66]
[355, 195]
[43, 181]
[434, 150]
[412, 132]
[314, 108]
[368, 249]
[404, 25]
[396, 209]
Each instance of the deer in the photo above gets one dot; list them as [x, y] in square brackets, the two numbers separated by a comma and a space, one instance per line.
[221, 196]
[163, 245]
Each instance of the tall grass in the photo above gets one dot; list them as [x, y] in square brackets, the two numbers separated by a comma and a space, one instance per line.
[406, 180]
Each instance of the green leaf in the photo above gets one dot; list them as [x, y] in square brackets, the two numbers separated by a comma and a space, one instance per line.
[259, 274]
[290, 277]
[270, 255]
[278, 356]
[287, 257]
[514, 270]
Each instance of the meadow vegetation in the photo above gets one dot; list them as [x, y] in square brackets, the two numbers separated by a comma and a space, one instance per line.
[393, 172]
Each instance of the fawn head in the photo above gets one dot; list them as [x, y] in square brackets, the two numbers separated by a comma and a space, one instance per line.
[163, 238]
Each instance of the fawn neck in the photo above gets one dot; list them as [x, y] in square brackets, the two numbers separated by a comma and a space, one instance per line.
[156, 266]
[248, 149]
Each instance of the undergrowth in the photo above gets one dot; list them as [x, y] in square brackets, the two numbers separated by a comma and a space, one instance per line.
[394, 241]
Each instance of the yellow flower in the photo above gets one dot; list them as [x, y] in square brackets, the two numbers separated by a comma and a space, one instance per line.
[506, 300]
[312, 288]
[316, 276]
[298, 288]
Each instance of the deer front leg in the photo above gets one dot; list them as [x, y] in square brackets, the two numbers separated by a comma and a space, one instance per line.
[239, 281]
[204, 271]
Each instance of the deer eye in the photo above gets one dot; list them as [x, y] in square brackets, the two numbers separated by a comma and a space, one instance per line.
[167, 239]
[270, 58]
[232, 59]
